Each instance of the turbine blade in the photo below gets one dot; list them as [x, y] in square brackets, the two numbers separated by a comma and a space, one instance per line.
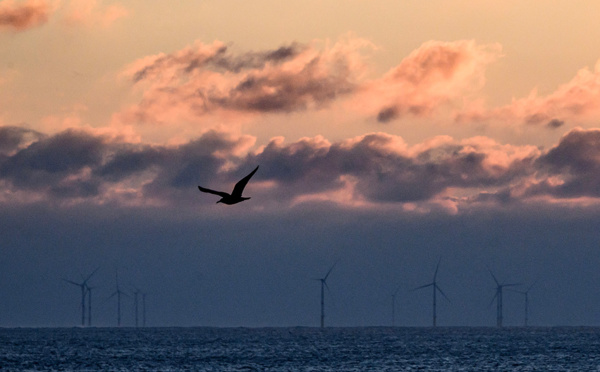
[331, 268]
[442, 292]
[437, 267]
[492, 301]
[330, 294]
[72, 282]
[493, 276]
[423, 286]
[531, 286]
[92, 274]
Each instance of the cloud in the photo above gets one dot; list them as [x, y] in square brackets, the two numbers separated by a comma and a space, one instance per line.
[434, 74]
[206, 78]
[13, 138]
[374, 170]
[438, 78]
[571, 169]
[90, 12]
[203, 79]
[380, 167]
[23, 16]
[57, 165]
[384, 169]
[574, 101]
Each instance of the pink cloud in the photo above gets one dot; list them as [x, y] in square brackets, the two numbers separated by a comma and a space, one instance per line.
[434, 74]
[575, 100]
[23, 16]
[204, 79]
[91, 12]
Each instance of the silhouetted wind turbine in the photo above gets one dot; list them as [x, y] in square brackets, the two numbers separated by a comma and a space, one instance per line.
[394, 306]
[118, 293]
[236, 194]
[136, 293]
[323, 285]
[436, 288]
[498, 298]
[143, 309]
[89, 294]
[526, 294]
[84, 287]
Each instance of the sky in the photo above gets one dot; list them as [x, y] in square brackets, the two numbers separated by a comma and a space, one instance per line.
[390, 136]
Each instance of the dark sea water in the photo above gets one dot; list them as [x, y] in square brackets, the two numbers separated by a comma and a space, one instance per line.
[300, 349]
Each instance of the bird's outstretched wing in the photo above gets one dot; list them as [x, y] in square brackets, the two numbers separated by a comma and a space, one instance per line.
[239, 187]
[220, 193]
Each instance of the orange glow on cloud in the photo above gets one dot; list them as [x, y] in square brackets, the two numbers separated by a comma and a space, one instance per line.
[22, 16]
[574, 101]
[434, 74]
[90, 12]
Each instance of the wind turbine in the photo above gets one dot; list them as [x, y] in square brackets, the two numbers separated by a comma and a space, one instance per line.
[89, 294]
[323, 285]
[84, 288]
[498, 298]
[526, 294]
[118, 293]
[137, 292]
[436, 288]
[143, 309]
[394, 306]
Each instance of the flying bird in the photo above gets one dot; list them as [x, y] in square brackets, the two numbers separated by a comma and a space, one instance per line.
[236, 194]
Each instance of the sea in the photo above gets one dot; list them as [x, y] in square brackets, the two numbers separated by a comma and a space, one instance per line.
[300, 349]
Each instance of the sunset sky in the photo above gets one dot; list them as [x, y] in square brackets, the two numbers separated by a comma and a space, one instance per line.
[389, 135]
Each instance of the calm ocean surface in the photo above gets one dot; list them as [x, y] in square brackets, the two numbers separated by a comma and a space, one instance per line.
[300, 349]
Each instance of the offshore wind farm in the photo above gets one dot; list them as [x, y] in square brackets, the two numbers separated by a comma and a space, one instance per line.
[138, 301]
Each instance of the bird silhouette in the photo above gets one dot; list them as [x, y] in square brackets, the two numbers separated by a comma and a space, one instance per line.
[236, 195]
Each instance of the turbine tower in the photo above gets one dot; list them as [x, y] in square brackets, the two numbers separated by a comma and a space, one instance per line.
[136, 294]
[526, 294]
[118, 293]
[143, 309]
[84, 288]
[498, 298]
[89, 295]
[323, 285]
[435, 288]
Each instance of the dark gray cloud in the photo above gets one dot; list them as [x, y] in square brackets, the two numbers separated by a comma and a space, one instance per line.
[50, 162]
[13, 138]
[217, 59]
[555, 123]
[387, 114]
[80, 165]
[23, 16]
[284, 91]
[576, 162]
[383, 175]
